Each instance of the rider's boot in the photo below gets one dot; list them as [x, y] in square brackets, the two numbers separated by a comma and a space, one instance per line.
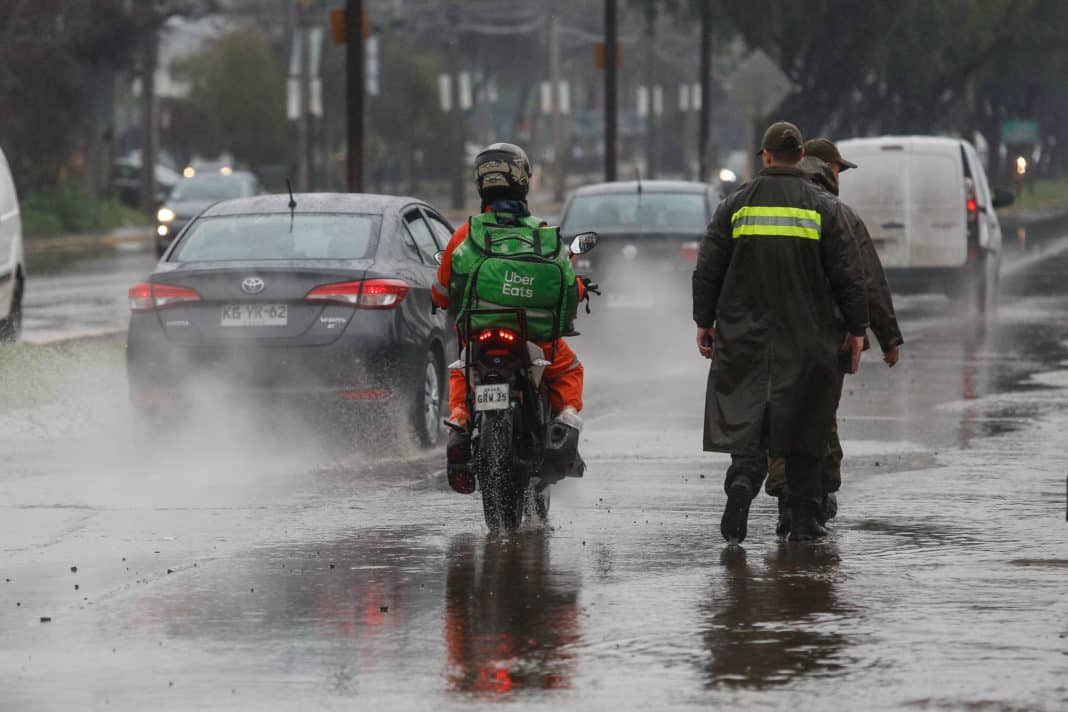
[458, 454]
[562, 458]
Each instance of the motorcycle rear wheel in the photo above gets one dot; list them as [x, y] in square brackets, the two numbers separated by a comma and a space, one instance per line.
[503, 487]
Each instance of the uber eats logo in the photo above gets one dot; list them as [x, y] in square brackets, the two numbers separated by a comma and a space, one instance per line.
[517, 285]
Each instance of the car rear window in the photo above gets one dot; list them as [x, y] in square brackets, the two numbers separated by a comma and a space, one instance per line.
[607, 211]
[212, 187]
[277, 236]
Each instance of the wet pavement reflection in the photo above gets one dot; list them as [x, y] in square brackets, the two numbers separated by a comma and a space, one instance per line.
[767, 624]
[238, 565]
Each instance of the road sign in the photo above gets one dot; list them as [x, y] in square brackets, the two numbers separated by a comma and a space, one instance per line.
[1019, 131]
[758, 86]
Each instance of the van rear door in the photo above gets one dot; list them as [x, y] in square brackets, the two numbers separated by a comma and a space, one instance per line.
[938, 231]
[878, 191]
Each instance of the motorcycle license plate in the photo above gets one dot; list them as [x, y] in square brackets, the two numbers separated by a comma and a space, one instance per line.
[491, 397]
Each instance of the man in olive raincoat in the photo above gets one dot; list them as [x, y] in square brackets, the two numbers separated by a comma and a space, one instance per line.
[773, 265]
[822, 164]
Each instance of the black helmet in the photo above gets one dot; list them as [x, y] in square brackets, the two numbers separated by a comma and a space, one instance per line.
[502, 172]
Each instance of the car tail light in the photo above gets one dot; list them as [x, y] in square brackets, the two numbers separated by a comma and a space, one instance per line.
[690, 249]
[368, 294]
[145, 296]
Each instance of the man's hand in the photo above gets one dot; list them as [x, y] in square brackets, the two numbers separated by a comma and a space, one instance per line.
[854, 346]
[706, 338]
[890, 357]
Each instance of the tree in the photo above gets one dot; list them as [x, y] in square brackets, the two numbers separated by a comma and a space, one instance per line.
[237, 100]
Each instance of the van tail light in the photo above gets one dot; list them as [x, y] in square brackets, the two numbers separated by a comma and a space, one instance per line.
[366, 294]
[146, 297]
[971, 203]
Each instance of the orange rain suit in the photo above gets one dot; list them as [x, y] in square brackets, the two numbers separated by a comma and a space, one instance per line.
[563, 378]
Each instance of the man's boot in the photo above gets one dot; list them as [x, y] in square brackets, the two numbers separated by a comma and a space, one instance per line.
[735, 522]
[804, 525]
[829, 508]
[783, 526]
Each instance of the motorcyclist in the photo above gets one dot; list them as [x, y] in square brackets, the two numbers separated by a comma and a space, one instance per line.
[502, 173]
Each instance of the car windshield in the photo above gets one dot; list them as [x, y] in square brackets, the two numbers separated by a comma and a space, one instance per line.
[212, 187]
[278, 237]
[615, 211]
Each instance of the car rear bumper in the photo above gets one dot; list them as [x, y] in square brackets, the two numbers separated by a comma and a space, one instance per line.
[354, 367]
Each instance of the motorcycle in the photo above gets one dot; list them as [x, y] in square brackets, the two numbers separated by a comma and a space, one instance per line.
[518, 450]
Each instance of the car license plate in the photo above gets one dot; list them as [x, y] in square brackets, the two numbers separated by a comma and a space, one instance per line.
[255, 315]
[491, 397]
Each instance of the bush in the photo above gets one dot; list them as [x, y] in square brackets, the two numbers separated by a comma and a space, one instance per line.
[69, 207]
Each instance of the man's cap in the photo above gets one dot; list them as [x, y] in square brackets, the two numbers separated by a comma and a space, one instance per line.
[781, 136]
[825, 150]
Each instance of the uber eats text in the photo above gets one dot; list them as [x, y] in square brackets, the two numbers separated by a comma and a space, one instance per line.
[517, 285]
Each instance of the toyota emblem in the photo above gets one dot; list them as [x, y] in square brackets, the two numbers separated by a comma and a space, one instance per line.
[252, 285]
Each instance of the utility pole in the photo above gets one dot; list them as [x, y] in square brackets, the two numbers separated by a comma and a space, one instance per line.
[354, 59]
[304, 131]
[460, 170]
[704, 116]
[149, 117]
[611, 98]
[555, 92]
[651, 117]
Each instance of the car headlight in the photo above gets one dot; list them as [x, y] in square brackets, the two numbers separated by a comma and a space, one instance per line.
[630, 252]
[165, 215]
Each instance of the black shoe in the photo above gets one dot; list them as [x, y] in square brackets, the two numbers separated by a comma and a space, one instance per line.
[783, 527]
[458, 459]
[803, 523]
[735, 520]
[829, 508]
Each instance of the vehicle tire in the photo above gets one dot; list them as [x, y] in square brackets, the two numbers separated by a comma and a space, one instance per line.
[427, 397]
[11, 327]
[503, 494]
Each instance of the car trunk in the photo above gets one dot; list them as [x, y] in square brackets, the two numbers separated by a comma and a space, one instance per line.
[233, 312]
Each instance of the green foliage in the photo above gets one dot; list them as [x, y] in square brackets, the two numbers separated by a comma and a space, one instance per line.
[70, 208]
[238, 99]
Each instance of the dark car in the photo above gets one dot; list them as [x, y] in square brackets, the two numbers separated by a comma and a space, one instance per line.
[327, 302]
[646, 228]
[191, 195]
[126, 181]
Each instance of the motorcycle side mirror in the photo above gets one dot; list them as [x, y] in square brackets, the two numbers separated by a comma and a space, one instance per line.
[584, 242]
[439, 256]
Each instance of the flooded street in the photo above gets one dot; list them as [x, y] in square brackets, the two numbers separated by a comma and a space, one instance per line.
[236, 561]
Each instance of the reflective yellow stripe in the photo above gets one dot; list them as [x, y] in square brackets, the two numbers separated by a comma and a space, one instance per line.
[776, 221]
[776, 212]
[777, 231]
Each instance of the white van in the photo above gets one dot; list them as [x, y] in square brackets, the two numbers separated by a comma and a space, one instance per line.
[12, 262]
[930, 212]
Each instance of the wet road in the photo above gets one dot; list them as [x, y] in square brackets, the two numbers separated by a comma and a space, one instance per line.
[238, 562]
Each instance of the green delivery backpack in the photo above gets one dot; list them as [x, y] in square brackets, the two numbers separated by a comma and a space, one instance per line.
[514, 263]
